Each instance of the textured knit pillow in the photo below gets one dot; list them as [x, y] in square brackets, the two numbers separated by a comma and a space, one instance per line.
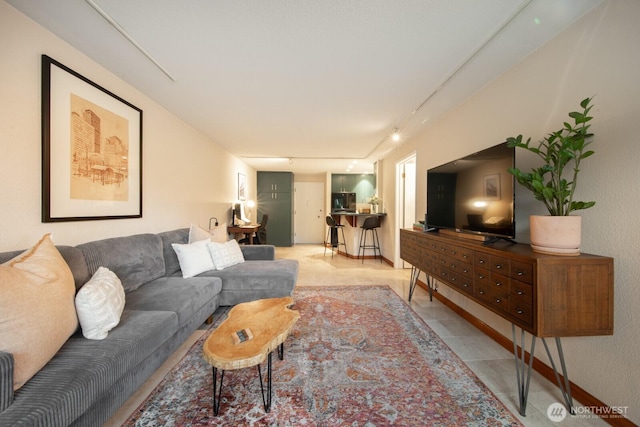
[217, 234]
[37, 311]
[194, 258]
[225, 254]
[99, 304]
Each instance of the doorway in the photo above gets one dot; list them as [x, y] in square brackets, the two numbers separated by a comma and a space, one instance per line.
[405, 200]
[308, 212]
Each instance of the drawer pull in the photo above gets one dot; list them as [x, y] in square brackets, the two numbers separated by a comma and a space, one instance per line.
[480, 276]
[519, 272]
[498, 266]
[481, 292]
[520, 292]
[498, 283]
[481, 261]
[498, 300]
[465, 284]
[465, 270]
[452, 266]
[519, 311]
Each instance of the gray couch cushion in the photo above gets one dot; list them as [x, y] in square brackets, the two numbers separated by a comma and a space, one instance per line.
[135, 259]
[183, 296]
[83, 370]
[252, 280]
[258, 252]
[180, 236]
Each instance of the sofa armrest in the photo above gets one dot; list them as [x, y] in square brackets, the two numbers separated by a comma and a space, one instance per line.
[258, 252]
[6, 380]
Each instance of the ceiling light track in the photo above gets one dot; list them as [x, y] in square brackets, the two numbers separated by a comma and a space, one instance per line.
[398, 128]
[287, 158]
[128, 36]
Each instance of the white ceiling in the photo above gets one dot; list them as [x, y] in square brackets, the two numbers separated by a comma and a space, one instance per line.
[307, 85]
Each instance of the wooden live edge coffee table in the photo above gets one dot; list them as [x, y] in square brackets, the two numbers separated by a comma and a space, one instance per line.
[264, 325]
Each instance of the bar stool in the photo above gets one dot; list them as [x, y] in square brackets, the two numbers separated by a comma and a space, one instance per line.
[332, 236]
[369, 226]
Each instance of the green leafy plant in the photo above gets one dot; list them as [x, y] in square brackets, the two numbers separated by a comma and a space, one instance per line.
[563, 148]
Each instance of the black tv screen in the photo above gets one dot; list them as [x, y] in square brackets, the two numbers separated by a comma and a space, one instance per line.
[474, 194]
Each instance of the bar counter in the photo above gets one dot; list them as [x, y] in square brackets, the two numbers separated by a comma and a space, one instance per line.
[352, 217]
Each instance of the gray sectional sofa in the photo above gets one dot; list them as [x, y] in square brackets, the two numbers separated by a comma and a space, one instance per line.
[88, 380]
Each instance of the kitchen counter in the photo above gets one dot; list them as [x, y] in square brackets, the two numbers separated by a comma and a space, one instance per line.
[352, 217]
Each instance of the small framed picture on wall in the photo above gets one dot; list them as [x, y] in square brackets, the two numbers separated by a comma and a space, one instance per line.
[242, 186]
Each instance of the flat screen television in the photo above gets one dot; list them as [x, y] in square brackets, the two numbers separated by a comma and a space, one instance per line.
[474, 194]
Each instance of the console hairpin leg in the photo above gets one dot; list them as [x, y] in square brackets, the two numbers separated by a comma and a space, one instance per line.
[523, 371]
[566, 387]
[413, 282]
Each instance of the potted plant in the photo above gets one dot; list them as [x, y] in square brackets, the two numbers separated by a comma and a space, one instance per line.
[554, 183]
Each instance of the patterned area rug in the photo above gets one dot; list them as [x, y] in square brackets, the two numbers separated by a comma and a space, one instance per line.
[358, 356]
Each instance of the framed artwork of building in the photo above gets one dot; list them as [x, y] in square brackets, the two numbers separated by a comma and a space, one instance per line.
[91, 149]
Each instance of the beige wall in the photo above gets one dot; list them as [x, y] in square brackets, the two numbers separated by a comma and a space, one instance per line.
[598, 56]
[186, 177]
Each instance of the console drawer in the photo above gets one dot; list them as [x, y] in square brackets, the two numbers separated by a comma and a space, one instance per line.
[522, 312]
[521, 293]
[522, 271]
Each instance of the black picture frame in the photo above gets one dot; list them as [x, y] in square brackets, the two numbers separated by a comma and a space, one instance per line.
[91, 149]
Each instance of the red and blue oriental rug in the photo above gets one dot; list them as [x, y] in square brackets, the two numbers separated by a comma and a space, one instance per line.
[358, 356]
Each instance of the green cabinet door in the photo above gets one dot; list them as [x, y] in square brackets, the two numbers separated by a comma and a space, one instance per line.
[279, 206]
[365, 187]
[275, 197]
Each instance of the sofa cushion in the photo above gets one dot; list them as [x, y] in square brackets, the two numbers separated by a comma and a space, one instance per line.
[99, 304]
[182, 296]
[171, 262]
[37, 312]
[83, 370]
[253, 280]
[136, 259]
[258, 252]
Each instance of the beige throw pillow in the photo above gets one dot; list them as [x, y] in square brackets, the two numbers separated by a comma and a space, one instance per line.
[218, 234]
[37, 311]
[99, 304]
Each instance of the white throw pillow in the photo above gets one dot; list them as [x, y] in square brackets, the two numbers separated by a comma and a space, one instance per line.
[218, 234]
[225, 254]
[194, 258]
[99, 304]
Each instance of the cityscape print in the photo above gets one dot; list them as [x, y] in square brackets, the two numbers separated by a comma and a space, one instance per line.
[99, 152]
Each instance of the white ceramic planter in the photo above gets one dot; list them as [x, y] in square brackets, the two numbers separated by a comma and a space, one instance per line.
[556, 235]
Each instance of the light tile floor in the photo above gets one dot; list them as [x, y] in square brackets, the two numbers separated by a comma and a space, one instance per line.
[489, 361]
